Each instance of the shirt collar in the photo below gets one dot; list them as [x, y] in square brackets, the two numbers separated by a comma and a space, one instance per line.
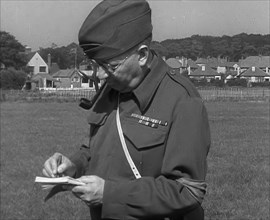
[146, 90]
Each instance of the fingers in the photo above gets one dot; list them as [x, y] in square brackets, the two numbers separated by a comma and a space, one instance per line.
[46, 173]
[51, 165]
[88, 179]
[92, 192]
[78, 190]
[61, 168]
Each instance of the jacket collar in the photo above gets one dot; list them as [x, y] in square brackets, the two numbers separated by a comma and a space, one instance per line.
[146, 90]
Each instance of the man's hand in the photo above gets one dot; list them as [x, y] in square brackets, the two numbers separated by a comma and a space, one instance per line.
[58, 165]
[92, 192]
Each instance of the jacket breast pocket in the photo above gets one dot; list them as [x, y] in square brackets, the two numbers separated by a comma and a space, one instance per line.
[143, 136]
[146, 146]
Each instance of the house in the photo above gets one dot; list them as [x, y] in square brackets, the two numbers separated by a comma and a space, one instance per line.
[218, 64]
[42, 81]
[205, 72]
[37, 65]
[232, 66]
[53, 68]
[68, 78]
[175, 64]
[255, 74]
[87, 73]
[262, 62]
[191, 66]
[231, 74]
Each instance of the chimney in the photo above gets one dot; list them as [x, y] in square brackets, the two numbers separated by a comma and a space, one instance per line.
[27, 49]
[238, 71]
[49, 62]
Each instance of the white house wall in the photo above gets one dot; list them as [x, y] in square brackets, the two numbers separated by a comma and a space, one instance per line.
[37, 62]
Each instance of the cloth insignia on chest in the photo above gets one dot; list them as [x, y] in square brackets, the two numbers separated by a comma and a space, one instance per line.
[150, 122]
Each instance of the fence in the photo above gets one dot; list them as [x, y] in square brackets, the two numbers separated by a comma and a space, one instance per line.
[47, 95]
[208, 94]
[236, 94]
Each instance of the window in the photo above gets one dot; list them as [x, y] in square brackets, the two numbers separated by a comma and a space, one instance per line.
[30, 69]
[91, 83]
[76, 79]
[42, 69]
[84, 80]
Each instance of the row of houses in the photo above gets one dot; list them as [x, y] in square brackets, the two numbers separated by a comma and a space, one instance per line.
[48, 75]
[45, 75]
[252, 68]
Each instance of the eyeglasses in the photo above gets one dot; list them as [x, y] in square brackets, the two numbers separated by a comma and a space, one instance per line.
[107, 66]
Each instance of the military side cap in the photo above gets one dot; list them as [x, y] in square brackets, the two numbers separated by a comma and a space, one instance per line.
[115, 26]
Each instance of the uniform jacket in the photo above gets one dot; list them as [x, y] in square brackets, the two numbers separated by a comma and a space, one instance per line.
[163, 153]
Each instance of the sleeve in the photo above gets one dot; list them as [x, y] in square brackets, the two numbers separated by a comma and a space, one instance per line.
[187, 147]
[81, 158]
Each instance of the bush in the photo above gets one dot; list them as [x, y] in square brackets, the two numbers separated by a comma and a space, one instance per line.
[12, 79]
[217, 82]
[203, 82]
[199, 82]
[260, 84]
[237, 82]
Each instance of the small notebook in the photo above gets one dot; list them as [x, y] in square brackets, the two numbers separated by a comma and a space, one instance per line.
[65, 180]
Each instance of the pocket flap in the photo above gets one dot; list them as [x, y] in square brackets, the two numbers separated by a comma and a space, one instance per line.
[143, 136]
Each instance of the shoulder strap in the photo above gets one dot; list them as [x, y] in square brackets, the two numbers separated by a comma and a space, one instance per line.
[124, 146]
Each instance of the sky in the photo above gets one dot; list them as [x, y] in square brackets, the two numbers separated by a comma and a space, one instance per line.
[39, 23]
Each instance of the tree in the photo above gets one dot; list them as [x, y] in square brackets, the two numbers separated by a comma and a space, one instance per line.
[64, 56]
[249, 51]
[161, 50]
[233, 48]
[12, 79]
[12, 52]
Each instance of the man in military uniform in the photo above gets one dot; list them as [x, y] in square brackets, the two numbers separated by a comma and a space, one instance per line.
[149, 131]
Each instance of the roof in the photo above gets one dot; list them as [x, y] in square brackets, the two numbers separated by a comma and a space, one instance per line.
[231, 64]
[86, 73]
[258, 61]
[30, 55]
[54, 68]
[67, 73]
[232, 72]
[192, 63]
[36, 60]
[212, 62]
[205, 70]
[42, 76]
[255, 72]
[174, 63]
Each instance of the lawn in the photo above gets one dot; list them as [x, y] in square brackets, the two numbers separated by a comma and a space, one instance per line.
[238, 174]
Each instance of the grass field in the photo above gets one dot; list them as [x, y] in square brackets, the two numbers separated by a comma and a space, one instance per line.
[238, 175]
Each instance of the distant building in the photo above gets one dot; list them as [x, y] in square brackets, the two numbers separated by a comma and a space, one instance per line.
[262, 62]
[217, 64]
[175, 64]
[191, 66]
[255, 74]
[205, 72]
[43, 81]
[37, 65]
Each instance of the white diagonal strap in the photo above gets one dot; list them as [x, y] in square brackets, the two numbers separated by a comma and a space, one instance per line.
[124, 146]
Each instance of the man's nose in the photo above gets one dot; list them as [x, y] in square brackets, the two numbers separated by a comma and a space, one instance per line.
[101, 73]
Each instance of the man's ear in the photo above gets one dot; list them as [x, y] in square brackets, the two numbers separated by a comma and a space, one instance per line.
[143, 52]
